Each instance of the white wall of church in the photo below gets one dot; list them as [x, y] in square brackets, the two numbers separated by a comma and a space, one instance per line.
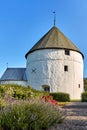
[23, 83]
[46, 67]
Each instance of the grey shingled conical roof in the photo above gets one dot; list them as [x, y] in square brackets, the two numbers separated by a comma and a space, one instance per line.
[54, 39]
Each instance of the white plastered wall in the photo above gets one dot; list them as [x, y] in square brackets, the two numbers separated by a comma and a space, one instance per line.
[46, 67]
[23, 83]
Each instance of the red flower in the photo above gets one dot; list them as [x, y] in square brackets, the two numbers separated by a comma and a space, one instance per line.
[53, 102]
[49, 98]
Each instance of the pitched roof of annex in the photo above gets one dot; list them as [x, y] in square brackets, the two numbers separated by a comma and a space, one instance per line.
[54, 39]
[14, 74]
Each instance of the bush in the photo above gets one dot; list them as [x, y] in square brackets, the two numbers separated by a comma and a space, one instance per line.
[16, 91]
[2, 102]
[84, 97]
[62, 97]
[20, 92]
[30, 115]
[85, 84]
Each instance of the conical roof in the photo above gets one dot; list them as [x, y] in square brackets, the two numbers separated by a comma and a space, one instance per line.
[54, 39]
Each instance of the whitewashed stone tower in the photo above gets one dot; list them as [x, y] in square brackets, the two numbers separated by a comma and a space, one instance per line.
[55, 64]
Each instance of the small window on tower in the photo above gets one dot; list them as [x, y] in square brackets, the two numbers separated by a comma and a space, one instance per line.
[67, 52]
[46, 88]
[65, 68]
[78, 85]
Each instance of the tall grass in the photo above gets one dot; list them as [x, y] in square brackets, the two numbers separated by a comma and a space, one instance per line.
[30, 115]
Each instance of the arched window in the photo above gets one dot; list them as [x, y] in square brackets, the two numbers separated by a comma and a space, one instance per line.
[46, 88]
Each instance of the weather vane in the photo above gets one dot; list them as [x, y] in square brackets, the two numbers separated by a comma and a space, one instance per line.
[54, 17]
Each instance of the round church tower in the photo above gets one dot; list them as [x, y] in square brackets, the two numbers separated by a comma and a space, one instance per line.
[55, 64]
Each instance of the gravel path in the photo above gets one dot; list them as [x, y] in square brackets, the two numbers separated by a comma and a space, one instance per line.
[76, 117]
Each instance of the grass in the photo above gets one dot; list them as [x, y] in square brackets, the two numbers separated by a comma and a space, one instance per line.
[62, 104]
[75, 100]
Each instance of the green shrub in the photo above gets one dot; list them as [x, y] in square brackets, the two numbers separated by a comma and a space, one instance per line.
[14, 91]
[85, 84]
[62, 97]
[84, 97]
[2, 90]
[2, 102]
[30, 115]
[20, 92]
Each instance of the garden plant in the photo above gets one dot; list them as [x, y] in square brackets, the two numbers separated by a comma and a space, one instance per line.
[27, 109]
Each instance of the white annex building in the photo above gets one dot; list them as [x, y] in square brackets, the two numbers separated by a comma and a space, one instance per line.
[53, 64]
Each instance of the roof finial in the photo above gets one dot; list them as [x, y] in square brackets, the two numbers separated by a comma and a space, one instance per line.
[54, 18]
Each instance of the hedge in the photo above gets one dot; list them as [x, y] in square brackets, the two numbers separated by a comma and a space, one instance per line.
[84, 96]
[62, 97]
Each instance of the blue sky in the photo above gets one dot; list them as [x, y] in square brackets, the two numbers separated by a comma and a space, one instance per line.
[24, 22]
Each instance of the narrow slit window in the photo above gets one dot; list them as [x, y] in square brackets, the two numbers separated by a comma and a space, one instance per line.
[78, 85]
[67, 52]
[65, 68]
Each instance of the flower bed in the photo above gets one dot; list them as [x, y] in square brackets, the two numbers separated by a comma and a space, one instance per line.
[30, 115]
[27, 109]
[49, 99]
